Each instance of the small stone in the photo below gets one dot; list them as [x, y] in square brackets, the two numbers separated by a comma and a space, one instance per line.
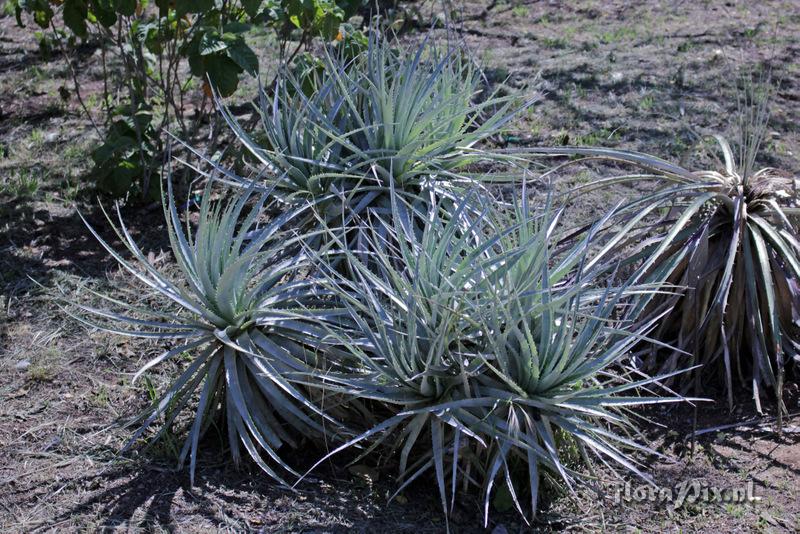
[22, 365]
[500, 529]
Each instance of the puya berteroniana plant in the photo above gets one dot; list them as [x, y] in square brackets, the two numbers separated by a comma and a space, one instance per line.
[388, 117]
[245, 317]
[725, 235]
[492, 353]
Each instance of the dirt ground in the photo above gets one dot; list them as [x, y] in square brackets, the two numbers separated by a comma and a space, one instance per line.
[655, 77]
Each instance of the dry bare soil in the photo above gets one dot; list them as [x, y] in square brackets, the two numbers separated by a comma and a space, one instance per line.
[654, 77]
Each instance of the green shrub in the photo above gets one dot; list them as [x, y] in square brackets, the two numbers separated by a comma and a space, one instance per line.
[248, 315]
[731, 244]
[351, 126]
[492, 353]
[725, 237]
[152, 43]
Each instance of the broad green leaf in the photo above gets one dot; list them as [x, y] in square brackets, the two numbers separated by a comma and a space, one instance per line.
[75, 14]
[103, 11]
[243, 55]
[223, 73]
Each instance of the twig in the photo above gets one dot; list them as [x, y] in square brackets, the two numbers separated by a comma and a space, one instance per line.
[299, 46]
[77, 85]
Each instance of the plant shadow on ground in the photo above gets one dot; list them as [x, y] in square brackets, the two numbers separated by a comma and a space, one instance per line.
[147, 494]
[730, 450]
[735, 443]
[40, 242]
